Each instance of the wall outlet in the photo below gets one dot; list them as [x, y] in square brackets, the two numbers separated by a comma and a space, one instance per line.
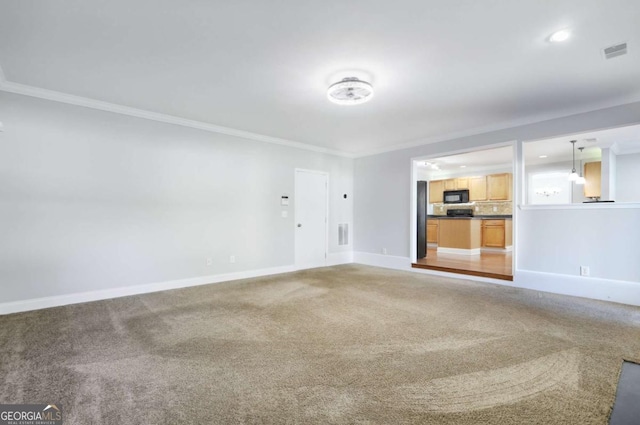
[284, 214]
[209, 261]
[584, 271]
[232, 259]
[384, 251]
[495, 209]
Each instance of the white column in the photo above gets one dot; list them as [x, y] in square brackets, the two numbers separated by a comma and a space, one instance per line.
[608, 176]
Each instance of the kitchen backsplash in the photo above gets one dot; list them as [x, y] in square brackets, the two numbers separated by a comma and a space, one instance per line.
[479, 208]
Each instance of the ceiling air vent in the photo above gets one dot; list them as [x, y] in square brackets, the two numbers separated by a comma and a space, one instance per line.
[614, 51]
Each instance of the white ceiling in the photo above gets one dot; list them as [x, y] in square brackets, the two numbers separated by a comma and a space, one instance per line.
[439, 68]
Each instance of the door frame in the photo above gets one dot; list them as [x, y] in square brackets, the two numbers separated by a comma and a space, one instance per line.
[326, 214]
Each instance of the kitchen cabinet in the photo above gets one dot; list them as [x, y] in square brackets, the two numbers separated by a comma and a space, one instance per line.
[478, 188]
[457, 183]
[494, 187]
[450, 184]
[436, 187]
[459, 234]
[462, 183]
[592, 176]
[497, 233]
[499, 187]
[432, 231]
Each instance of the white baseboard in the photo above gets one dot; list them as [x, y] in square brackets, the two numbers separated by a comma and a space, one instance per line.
[60, 300]
[459, 251]
[623, 292]
[619, 291]
[380, 260]
[337, 258]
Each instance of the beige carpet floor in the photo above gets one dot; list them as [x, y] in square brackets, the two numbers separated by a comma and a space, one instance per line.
[341, 345]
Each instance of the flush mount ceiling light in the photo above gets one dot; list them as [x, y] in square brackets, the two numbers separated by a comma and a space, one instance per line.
[350, 91]
[560, 36]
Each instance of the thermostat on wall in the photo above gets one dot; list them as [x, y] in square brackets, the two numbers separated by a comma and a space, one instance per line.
[284, 201]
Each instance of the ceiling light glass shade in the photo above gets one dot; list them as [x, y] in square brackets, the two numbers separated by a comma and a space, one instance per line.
[560, 36]
[350, 91]
[574, 176]
[581, 180]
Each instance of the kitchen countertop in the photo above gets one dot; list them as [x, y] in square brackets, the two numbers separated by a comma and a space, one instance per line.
[475, 217]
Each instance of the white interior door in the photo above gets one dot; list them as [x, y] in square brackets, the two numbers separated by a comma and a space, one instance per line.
[311, 219]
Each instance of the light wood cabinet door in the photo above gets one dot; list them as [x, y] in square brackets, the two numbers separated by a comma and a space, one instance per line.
[499, 187]
[462, 183]
[497, 233]
[493, 233]
[432, 231]
[450, 184]
[592, 176]
[436, 187]
[478, 188]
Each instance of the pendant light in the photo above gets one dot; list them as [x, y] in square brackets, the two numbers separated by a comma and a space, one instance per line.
[581, 180]
[574, 176]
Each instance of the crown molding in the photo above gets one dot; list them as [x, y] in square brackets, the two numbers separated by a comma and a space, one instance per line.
[56, 96]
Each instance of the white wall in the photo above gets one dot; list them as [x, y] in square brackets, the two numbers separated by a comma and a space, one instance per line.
[382, 185]
[560, 241]
[628, 178]
[91, 200]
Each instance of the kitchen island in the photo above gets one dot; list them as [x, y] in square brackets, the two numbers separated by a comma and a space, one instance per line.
[460, 235]
[471, 235]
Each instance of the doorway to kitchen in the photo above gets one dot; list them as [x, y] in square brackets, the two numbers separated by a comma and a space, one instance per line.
[463, 212]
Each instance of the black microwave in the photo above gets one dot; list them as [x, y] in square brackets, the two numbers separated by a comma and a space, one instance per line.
[456, 196]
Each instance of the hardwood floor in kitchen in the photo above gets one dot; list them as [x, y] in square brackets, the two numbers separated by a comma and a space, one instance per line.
[497, 265]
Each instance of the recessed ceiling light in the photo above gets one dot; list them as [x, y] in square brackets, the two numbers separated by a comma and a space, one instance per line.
[542, 156]
[350, 91]
[463, 166]
[560, 36]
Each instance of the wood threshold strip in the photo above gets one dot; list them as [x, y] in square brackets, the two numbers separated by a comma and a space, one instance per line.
[462, 271]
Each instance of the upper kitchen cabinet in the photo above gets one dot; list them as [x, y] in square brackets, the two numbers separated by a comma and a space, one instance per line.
[494, 187]
[462, 183]
[436, 187]
[457, 183]
[499, 187]
[477, 188]
[592, 176]
[450, 184]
